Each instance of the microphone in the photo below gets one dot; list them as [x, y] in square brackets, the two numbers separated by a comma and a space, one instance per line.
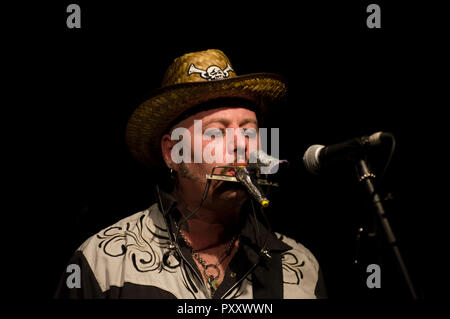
[317, 156]
[243, 176]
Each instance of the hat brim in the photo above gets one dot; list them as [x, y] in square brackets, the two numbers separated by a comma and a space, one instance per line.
[151, 119]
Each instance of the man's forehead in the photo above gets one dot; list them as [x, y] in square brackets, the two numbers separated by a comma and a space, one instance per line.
[225, 115]
[230, 113]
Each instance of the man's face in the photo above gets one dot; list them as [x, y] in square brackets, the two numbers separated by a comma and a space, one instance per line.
[224, 142]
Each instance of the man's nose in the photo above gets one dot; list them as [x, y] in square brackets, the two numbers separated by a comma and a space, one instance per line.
[239, 145]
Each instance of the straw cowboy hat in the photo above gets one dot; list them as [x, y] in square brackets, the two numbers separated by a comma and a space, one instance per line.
[194, 79]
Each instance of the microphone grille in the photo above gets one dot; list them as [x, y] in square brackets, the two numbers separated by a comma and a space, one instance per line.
[311, 158]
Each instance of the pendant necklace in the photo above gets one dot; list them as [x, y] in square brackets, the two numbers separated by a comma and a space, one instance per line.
[211, 271]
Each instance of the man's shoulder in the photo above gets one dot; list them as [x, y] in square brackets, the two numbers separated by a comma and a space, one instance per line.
[298, 249]
[143, 218]
[129, 251]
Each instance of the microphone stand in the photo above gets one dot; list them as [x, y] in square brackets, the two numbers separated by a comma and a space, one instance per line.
[365, 177]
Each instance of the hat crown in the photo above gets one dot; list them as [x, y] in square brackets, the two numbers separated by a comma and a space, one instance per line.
[201, 66]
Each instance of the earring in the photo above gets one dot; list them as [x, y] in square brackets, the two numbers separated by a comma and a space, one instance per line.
[172, 173]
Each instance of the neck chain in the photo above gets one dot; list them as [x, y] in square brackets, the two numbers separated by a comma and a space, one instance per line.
[210, 269]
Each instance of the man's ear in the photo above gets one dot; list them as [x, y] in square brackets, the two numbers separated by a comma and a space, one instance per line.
[166, 148]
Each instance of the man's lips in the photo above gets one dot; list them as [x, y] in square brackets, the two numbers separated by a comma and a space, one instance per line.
[223, 185]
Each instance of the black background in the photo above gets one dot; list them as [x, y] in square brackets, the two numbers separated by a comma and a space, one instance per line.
[344, 81]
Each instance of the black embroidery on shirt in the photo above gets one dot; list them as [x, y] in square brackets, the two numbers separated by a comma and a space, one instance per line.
[138, 244]
[290, 263]
[168, 258]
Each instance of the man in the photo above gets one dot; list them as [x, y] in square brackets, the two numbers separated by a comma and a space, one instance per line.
[201, 239]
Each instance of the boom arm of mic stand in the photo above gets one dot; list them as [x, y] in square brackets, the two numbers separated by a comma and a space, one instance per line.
[365, 177]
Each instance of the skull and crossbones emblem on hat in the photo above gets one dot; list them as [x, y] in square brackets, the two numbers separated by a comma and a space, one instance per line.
[213, 72]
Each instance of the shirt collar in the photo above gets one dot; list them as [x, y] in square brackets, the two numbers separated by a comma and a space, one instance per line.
[254, 233]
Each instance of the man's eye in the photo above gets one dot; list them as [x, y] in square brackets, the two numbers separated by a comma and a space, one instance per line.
[250, 129]
[250, 132]
[216, 132]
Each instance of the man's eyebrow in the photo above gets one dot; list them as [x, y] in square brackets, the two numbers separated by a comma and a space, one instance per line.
[226, 122]
[248, 120]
